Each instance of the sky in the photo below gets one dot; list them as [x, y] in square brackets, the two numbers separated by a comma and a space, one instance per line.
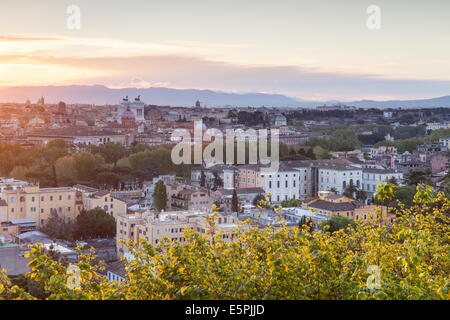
[311, 50]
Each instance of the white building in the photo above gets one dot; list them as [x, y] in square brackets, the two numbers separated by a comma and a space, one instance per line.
[338, 177]
[388, 114]
[372, 177]
[136, 107]
[11, 184]
[437, 125]
[445, 142]
[116, 271]
[282, 185]
[280, 120]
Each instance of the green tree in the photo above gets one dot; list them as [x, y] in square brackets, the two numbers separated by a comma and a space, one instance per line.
[416, 177]
[202, 179]
[263, 263]
[160, 196]
[305, 222]
[111, 151]
[291, 203]
[336, 223]
[234, 202]
[258, 198]
[344, 140]
[320, 153]
[66, 171]
[405, 194]
[95, 223]
[59, 228]
[86, 165]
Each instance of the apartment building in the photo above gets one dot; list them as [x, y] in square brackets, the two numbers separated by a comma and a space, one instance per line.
[93, 198]
[26, 207]
[154, 227]
[445, 142]
[282, 185]
[307, 176]
[225, 173]
[331, 204]
[294, 179]
[372, 177]
[11, 183]
[37, 204]
[300, 179]
[249, 176]
[371, 213]
[334, 176]
[185, 197]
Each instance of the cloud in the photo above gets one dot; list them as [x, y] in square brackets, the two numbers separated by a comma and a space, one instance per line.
[185, 72]
[181, 64]
[22, 38]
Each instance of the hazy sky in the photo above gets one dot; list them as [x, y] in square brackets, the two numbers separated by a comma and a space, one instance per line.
[307, 49]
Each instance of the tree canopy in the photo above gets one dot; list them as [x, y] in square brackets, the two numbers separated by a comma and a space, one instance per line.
[285, 262]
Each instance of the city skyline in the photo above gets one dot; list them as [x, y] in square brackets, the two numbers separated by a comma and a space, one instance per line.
[321, 52]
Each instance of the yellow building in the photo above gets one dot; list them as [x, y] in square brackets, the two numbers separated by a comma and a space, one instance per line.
[336, 205]
[185, 197]
[154, 227]
[249, 177]
[32, 202]
[371, 213]
[28, 207]
[94, 198]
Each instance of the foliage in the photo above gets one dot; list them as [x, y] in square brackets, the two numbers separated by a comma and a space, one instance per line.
[321, 153]
[234, 202]
[353, 192]
[160, 196]
[273, 263]
[59, 228]
[402, 145]
[405, 194]
[257, 199]
[416, 177]
[291, 203]
[95, 223]
[111, 151]
[344, 140]
[98, 166]
[337, 223]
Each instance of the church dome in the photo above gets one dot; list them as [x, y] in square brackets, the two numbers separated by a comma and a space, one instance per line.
[128, 114]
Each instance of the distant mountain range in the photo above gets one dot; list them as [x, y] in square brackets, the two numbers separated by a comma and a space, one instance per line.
[97, 94]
